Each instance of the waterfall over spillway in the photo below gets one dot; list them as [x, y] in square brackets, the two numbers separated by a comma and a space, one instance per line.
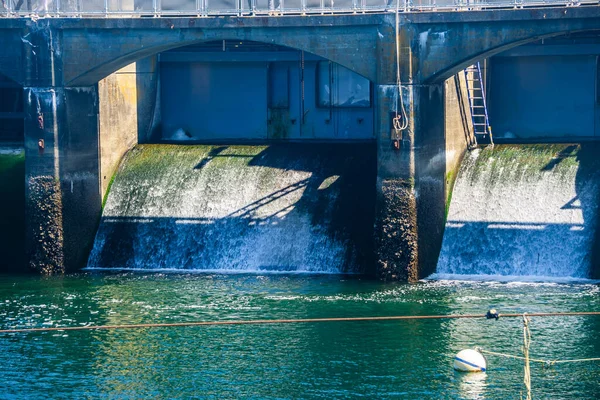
[529, 210]
[292, 208]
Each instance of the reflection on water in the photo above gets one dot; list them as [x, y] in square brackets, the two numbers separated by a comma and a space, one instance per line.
[473, 385]
[402, 359]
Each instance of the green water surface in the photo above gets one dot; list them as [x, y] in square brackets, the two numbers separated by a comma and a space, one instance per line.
[404, 359]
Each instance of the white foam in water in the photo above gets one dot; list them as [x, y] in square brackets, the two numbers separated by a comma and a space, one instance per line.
[511, 219]
[510, 278]
[219, 271]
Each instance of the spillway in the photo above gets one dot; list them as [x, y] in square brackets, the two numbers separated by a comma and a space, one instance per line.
[12, 207]
[286, 207]
[526, 211]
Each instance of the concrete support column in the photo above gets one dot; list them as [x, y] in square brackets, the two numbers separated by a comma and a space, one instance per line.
[61, 171]
[411, 182]
[430, 154]
[395, 222]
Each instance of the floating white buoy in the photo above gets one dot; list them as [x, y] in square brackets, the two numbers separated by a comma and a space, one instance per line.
[470, 361]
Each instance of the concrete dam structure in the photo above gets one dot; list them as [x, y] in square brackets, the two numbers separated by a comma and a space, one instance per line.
[390, 85]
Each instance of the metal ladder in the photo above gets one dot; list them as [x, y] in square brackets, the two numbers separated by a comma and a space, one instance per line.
[477, 103]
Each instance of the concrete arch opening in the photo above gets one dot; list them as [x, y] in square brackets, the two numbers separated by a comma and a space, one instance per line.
[547, 90]
[231, 91]
[244, 90]
[277, 172]
[543, 107]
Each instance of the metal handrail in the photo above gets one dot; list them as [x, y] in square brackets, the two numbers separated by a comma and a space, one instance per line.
[205, 8]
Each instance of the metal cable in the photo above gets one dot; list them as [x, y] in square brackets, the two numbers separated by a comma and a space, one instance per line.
[287, 321]
[538, 360]
[400, 121]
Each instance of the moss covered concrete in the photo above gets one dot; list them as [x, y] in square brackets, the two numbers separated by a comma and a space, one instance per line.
[396, 236]
[45, 226]
[531, 157]
[12, 209]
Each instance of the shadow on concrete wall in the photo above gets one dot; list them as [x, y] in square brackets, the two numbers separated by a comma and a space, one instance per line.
[465, 117]
[148, 99]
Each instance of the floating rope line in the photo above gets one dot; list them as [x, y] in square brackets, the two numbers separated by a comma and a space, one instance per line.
[287, 321]
[538, 360]
[527, 359]
[526, 345]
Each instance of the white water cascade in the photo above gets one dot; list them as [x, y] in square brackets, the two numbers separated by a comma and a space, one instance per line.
[526, 211]
[286, 208]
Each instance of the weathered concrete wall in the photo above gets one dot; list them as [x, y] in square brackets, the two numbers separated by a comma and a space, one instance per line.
[61, 173]
[458, 127]
[118, 120]
[430, 172]
[127, 107]
[347, 41]
[415, 180]
[411, 186]
[73, 137]
[148, 99]
[446, 43]
[396, 220]
[396, 235]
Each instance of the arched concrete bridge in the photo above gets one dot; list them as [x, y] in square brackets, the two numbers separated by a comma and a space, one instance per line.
[59, 62]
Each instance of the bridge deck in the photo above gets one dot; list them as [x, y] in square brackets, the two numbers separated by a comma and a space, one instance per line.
[204, 8]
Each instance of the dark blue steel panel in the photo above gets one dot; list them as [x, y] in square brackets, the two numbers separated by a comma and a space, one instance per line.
[225, 99]
[214, 101]
[542, 96]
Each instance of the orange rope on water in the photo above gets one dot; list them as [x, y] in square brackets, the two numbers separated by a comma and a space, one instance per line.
[287, 321]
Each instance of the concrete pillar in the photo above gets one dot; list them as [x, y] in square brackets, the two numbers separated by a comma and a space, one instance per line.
[118, 97]
[396, 218]
[396, 233]
[428, 117]
[412, 180]
[61, 170]
[129, 113]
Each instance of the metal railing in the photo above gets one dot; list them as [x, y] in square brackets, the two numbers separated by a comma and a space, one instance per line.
[205, 8]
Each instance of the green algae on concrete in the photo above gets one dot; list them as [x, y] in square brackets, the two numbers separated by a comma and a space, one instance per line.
[529, 157]
[110, 183]
[12, 208]
[450, 180]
